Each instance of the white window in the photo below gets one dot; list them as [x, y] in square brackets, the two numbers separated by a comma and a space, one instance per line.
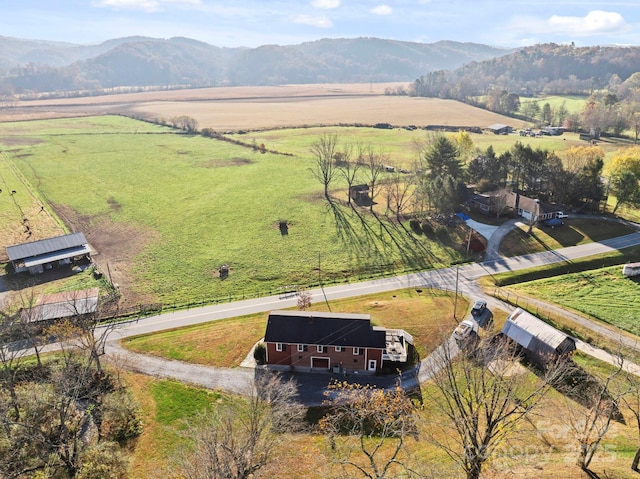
[279, 347]
[338, 349]
[320, 349]
[300, 348]
[356, 351]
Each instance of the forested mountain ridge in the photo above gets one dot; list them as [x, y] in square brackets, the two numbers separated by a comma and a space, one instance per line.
[141, 61]
[545, 68]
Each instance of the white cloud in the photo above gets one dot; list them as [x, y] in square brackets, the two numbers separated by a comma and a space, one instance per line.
[595, 22]
[145, 5]
[326, 4]
[320, 22]
[382, 10]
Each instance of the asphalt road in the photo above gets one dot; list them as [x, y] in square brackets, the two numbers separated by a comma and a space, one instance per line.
[312, 386]
[440, 278]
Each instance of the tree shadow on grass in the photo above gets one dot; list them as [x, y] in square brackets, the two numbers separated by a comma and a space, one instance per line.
[401, 241]
[578, 385]
[375, 243]
[355, 241]
[564, 235]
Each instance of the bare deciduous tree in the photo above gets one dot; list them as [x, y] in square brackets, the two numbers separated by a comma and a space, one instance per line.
[324, 168]
[349, 166]
[374, 163]
[632, 401]
[478, 399]
[367, 429]
[399, 192]
[240, 437]
[600, 398]
[304, 299]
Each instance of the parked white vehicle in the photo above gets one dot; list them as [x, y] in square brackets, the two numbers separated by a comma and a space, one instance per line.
[631, 269]
[465, 330]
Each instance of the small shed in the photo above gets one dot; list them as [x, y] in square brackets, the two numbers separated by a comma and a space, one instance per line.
[38, 255]
[360, 194]
[542, 343]
[500, 129]
[50, 307]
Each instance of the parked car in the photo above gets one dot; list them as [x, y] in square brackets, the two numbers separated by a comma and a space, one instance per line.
[481, 314]
[478, 307]
[562, 216]
[466, 330]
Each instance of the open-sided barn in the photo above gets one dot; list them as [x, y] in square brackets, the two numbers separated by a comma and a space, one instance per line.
[37, 256]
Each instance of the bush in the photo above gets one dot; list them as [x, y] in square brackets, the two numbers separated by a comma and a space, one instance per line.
[414, 224]
[120, 417]
[426, 227]
[260, 353]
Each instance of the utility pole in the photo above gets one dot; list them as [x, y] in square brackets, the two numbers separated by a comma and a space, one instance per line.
[455, 298]
[320, 282]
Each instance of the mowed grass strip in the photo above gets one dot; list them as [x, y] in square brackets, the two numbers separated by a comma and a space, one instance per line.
[574, 232]
[427, 315]
[167, 407]
[603, 294]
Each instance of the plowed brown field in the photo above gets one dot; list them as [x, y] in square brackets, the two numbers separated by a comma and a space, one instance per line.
[249, 108]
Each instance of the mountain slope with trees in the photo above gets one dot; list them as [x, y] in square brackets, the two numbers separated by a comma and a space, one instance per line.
[539, 69]
[140, 62]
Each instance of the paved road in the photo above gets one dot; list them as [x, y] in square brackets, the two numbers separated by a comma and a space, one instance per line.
[311, 385]
[440, 278]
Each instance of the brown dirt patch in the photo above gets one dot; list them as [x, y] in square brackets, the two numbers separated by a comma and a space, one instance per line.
[232, 162]
[116, 246]
[19, 141]
[250, 108]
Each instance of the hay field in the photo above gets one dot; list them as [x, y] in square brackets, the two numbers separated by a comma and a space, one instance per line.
[249, 108]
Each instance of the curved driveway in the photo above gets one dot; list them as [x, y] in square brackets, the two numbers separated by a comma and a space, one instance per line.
[463, 278]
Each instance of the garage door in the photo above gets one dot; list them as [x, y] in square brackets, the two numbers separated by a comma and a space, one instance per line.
[320, 363]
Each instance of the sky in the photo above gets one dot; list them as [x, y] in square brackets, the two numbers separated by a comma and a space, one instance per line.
[251, 23]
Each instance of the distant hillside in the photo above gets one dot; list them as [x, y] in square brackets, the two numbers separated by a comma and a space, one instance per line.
[545, 68]
[139, 61]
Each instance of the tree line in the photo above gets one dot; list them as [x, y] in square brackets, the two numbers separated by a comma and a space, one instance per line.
[448, 164]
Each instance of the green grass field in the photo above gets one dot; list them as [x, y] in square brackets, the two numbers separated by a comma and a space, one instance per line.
[195, 203]
[165, 210]
[603, 293]
[573, 103]
[574, 232]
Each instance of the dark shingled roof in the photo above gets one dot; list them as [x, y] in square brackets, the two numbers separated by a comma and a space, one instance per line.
[49, 245]
[328, 329]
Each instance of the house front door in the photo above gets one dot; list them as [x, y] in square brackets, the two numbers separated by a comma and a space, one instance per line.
[372, 364]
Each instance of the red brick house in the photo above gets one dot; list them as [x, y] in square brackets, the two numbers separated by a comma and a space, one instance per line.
[338, 342]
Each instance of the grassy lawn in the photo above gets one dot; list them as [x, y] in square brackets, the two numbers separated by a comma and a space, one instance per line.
[603, 294]
[166, 408]
[165, 210]
[574, 232]
[177, 207]
[427, 315]
[543, 448]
